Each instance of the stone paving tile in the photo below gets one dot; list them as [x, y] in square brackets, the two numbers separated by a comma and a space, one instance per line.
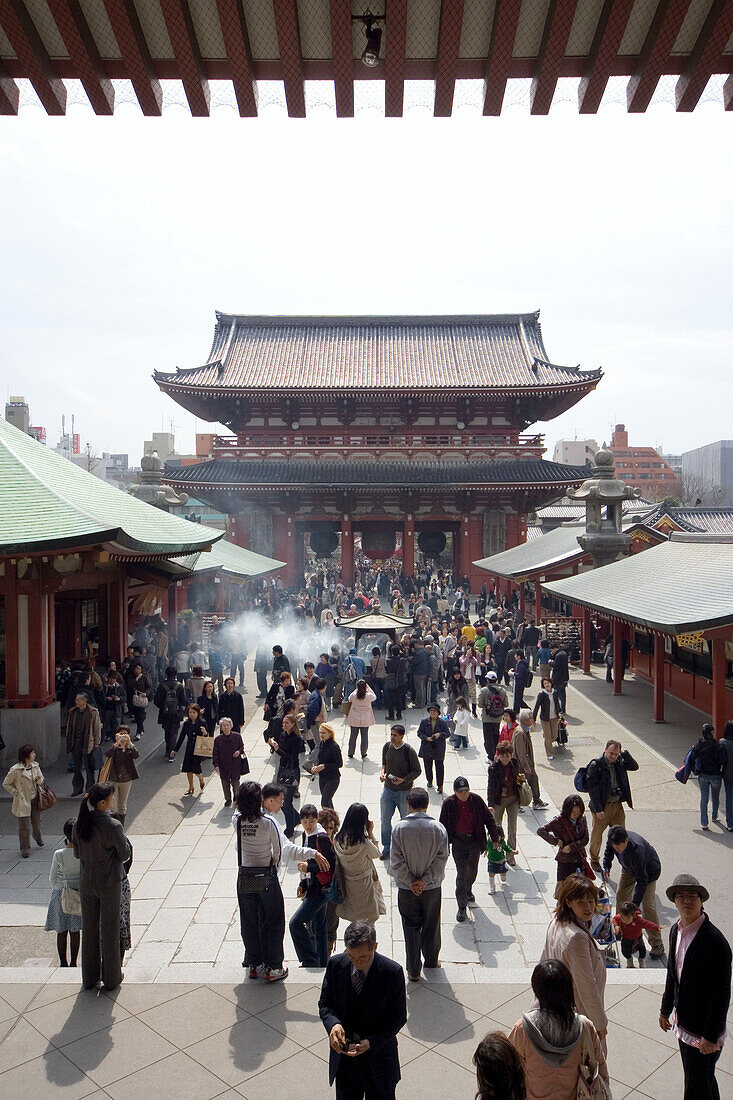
[181, 897]
[193, 1016]
[440, 1076]
[138, 998]
[632, 1058]
[176, 1076]
[51, 1074]
[201, 943]
[278, 1081]
[66, 1020]
[431, 1019]
[298, 1018]
[169, 925]
[125, 1048]
[242, 1051]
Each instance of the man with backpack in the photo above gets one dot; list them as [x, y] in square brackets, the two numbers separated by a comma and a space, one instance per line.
[606, 781]
[492, 701]
[354, 670]
[170, 699]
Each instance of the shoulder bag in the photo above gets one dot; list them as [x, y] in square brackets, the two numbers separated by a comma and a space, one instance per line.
[71, 901]
[591, 1085]
[46, 797]
[255, 880]
[104, 773]
[525, 793]
[139, 699]
[346, 706]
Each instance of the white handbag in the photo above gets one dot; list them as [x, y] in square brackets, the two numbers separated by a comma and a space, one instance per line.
[591, 1085]
[71, 901]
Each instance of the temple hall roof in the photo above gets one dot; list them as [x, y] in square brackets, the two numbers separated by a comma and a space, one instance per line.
[681, 585]
[498, 351]
[365, 473]
[718, 521]
[47, 502]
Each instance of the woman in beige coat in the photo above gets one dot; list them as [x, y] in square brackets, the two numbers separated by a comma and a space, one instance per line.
[569, 940]
[356, 852]
[23, 781]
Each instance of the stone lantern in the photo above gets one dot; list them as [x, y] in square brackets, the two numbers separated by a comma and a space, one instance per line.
[150, 488]
[603, 495]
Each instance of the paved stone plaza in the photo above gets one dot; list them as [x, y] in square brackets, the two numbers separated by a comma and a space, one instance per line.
[186, 1019]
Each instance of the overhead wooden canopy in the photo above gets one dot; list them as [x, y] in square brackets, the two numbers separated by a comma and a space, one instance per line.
[243, 41]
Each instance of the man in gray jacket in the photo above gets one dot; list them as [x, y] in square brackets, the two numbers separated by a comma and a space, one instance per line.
[417, 859]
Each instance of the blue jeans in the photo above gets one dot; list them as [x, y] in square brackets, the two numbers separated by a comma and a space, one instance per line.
[378, 686]
[709, 785]
[308, 932]
[388, 803]
[729, 803]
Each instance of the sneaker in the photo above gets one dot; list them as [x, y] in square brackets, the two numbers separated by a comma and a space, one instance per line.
[276, 975]
[540, 805]
[461, 914]
[384, 855]
[430, 785]
[254, 972]
[137, 737]
[228, 802]
[439, 790]
[520, 809]
[714, 817]
[706, 828]
[492, 887]
[550, 758]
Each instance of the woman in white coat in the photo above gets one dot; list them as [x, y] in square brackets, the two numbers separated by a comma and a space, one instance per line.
[569, 940]
[22, 782]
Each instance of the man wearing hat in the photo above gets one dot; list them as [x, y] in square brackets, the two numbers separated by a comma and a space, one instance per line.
[466, 818]
[492, 701]
[698, 988]
[433, 732]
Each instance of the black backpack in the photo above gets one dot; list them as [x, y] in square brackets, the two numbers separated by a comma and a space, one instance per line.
[496, 705]
[171, 707]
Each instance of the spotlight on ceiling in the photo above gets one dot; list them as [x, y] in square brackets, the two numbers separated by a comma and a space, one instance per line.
[373, 34]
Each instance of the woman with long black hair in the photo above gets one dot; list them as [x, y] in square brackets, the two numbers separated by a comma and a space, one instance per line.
[102, 849]
[260, 848]
[554, 1040]
[209, 707]
[356, 852]
[193, 727]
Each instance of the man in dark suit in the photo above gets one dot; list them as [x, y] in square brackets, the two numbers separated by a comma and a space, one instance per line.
[363, 1007]
[698, 988]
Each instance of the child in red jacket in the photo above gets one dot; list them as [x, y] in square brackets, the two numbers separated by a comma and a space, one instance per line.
[629, 924]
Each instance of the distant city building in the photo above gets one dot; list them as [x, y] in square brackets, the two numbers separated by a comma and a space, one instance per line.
[643, 467]
[675, 463]
[163, 444]
[710, 468]
[18, 414]
[574, 452]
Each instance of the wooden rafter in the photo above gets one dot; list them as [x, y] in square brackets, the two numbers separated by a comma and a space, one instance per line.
[136, 55]
[182, 34]
[660, 39]
[342, 50]
[395, 44]
[559, 20]
[236, 43]
[28, 47]
[606, 42]
[712, 40]
[291, 58]
[503, 33]
[78, 39]
[449, 42]
[9, 93]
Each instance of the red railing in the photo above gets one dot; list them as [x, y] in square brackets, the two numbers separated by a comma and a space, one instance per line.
[319, 443]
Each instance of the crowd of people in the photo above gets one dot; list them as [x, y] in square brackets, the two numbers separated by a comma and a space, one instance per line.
[452, 664]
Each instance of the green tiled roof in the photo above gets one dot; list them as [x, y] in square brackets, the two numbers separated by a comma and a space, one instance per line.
[235, 560]
[47, 502]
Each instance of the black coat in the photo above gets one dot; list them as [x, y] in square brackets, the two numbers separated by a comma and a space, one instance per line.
[232, 706]
[640, 861]
[378, 1014]
[542, 704]
[483, 818]
[598, 780]
[161, 693]
[210, 711]
[560, 674]
[433, 750]
[189, 732]
[495, 780]
[702, 997]
[711, 756]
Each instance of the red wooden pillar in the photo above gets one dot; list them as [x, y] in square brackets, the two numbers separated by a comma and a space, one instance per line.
[538, 604]
[11, 630]
[347, 551]
[51, 638]
[719, 689]
[658, 678]
[172, 613]
[116, 630]
[585, 641]
[221, 595]
[617, 660]
[283, 545]
[39, 689]
[408, 546]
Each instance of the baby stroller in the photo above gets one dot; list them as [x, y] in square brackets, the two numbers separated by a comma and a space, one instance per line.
[601, 926]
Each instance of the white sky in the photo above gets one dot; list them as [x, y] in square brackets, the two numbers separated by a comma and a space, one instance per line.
[119, 238]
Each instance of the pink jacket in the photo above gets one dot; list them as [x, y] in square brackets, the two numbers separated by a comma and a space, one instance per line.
[361, 713]
[586, 961]
[553, 1082]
